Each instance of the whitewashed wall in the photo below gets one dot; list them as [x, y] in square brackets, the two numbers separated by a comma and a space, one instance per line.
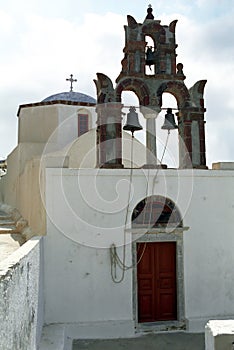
[79, 290]
[67, 129]
[208, 246]
[86, 214]
[21, 303]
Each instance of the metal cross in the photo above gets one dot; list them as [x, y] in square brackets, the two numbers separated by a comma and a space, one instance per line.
[72, 81]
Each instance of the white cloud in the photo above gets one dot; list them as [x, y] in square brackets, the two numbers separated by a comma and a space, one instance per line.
[6, 22]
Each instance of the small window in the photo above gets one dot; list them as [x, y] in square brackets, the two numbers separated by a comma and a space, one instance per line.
[83, 124]
[156, 211]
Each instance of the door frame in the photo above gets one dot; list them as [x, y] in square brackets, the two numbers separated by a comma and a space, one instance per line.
[161, 235]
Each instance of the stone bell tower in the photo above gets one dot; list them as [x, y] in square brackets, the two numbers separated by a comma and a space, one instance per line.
[166, 76]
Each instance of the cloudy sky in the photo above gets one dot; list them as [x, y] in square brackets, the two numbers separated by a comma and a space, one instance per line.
[43, 42]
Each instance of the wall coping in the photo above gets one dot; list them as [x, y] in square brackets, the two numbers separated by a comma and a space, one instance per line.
[219, 327]
[14, 258]
[57, 102]
[140, 172]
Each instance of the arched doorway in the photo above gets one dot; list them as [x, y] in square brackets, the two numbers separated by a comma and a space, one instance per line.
[158, 257]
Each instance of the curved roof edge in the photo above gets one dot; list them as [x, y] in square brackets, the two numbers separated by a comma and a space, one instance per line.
[70, 96]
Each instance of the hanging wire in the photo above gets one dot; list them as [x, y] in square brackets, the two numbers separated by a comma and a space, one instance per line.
[114, 257]
[154, 181]
[115, 260]
[161, 160]
[113, 252]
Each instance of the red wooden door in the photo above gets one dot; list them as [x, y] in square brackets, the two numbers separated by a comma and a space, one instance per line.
[156, 279]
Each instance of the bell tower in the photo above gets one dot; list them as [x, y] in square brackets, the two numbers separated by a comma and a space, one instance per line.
[161, 56]
[149, 70]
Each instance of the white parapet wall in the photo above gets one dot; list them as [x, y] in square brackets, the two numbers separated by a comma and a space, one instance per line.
[219, 335]
[21, 311]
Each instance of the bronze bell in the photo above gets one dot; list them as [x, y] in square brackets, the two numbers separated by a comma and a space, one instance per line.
[150, 59]
[132, 123]
[169, 123]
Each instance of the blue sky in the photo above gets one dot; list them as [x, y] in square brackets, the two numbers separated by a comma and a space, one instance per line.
[43, 42]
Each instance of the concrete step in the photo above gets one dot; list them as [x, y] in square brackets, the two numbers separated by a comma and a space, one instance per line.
[12, 223]
[8, 225]
[54, 338]
[161, 341]
[6, 222]
[3, 213]
[8, 229]
[5, 217]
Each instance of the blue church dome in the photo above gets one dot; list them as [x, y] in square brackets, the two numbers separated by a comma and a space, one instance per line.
[70, 96]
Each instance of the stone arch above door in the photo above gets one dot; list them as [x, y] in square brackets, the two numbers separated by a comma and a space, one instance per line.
[156, 211]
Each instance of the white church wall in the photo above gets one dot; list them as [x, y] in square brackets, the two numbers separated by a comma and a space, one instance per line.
[53, 125]
[22, 185]
[208, 247]
[86, 214]
[37, 123]
[21, 305]
[31, 194]
[78, 286]
[68, 121]
[83, 152]
[9, 183]
[67, 129]
[83, 291]
[16, 163]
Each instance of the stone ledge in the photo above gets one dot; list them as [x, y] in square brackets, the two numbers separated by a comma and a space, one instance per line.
[157, 230]
[223, 166]
[53, 337]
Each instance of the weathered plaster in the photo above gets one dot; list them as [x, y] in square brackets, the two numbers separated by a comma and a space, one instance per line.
[20, 317]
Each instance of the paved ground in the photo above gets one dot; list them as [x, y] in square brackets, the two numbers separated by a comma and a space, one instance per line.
[159, 341]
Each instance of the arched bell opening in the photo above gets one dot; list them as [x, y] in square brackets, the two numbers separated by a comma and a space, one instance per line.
[150, 56]
[135, 85]
[171, 142]
[140, 90]
[129, 98]
[132, 124]
[156, 212]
